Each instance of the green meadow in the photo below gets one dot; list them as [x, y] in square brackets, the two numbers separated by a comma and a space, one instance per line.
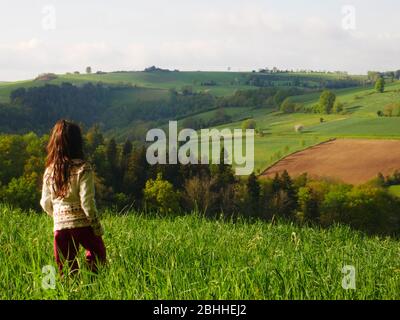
[191, 257]
[226, 82]
[359, 120]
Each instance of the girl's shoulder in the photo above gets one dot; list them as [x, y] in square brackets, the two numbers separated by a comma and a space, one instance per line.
[48, 173]
[78, 166]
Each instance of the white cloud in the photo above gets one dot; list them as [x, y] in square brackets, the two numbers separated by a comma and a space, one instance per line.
[21, 46]
[76, 54]
[192, 35]
[246, 19]
[23, 54]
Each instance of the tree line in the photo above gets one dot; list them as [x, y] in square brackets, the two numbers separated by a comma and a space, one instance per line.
[125, 180]
[306, 82]
[327, 103]
[37, 108]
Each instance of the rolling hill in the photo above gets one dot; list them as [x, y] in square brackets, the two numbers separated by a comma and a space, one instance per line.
[278, 138]
[218, 83]
[359, 120]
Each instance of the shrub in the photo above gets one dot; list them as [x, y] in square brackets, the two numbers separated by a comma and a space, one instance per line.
[22, 193]
[380, 85]
[373, 210]
[298, 128]
[249, 124]
[392, 110]
[338, 107]
[333, 206]
[253, 192]
[299, 107]
[287, 106]
[284, 195]
[310, 197]
[198, 196]
[326, 102]
[159, 195]
[46, 77]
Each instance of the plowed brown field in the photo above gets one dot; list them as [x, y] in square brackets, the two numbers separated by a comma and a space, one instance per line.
[353, 161]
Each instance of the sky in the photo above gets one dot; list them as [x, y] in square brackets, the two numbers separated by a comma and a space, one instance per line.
[64, 36]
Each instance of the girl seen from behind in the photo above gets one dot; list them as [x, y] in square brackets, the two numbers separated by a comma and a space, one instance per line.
[68, 196]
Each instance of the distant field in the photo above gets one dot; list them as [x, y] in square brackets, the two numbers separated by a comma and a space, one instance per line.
[226, 82]
[359, 127]
[349, 160]
[359, 121]
[279, 139]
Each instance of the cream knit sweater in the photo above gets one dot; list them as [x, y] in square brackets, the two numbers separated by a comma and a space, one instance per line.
[78, 207]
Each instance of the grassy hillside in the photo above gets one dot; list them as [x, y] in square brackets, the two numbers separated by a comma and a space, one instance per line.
[279, 139]
[359, 120]
[190, 257]
[226, 83]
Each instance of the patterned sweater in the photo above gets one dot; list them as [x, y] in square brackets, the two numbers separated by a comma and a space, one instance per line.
[78, 207]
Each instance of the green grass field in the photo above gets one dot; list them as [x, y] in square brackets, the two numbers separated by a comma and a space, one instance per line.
[226, 82]
[359, 120]
[189, 257]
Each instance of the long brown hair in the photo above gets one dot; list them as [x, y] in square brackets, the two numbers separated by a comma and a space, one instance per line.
[65, 144]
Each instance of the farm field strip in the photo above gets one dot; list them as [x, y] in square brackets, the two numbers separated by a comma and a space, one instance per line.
[353, 161]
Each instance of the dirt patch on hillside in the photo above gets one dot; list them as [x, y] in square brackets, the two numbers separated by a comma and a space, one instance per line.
[353, 161]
